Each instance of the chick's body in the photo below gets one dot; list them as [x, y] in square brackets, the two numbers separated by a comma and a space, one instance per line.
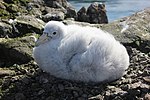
[83, 54]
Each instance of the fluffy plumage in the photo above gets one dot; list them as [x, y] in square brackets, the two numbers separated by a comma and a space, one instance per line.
[78, 53]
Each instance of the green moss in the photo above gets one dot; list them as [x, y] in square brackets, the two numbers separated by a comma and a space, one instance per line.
[12, 8]
[24, 1]
[17, 1]
[3, 13]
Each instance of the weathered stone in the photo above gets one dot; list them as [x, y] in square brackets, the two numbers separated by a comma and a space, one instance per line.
[59, 16]
[57, 3]
[9, 1]
[147, 79]
[12, 8]
[21, 26]
[41, 92]
[2, 6]
[97, 13]
[71, 12]
[25, 80]
[97, 97]
[134, 92]
[20, 96]
[4, 72]
[29, 24]
[75, 94]
[82, 16]
[5, 30]
[60, 87]
[147, 97]
[16, 50]
[127, 81]
[65, 6]
[47, 10]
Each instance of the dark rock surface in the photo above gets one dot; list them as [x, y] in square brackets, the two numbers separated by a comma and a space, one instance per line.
[20, 26]
[16, 51]
[29, 24]
[58, 16]
[31, 83]
[5, 29]
[95, 14]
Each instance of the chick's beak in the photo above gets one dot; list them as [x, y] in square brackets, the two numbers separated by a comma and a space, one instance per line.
[42, 39]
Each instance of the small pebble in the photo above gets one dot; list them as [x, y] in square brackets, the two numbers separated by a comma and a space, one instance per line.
[147, 97]
[20, 96]
[41, 92]
[60, 87]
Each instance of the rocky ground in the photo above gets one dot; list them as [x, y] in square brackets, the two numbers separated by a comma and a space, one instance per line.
[28, 82]
[21, 78]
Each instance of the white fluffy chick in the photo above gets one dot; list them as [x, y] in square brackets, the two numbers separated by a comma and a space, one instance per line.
[78, 53]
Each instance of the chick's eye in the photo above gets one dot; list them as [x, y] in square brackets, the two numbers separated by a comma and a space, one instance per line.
[54, 33]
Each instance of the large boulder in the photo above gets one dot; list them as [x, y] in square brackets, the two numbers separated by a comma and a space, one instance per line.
[65, 6]
[95, 14]
[21, 26]
[58, 16]
[29, 24]
[16, 51]
[82, 15]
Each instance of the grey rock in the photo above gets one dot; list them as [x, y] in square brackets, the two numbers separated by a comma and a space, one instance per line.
[5, 30]
[65, 6]
[12, 8]
[125, 87]
[135, 85]
[127, 81]
[2, 6]
[29, 24]
[59, 16]
[97, 13]
[43, 79]
[75, 93]
[147, 79]
[97, 97]
[82, 15]
[134, 92]
[60, 87]
[85, 96]
[56, 3]
[5, 84]
[147, 97]
[50, 98]
[20, 96]
[71, 12]
[25, 80]
[6, 72]
[16, 50]
[41, 92]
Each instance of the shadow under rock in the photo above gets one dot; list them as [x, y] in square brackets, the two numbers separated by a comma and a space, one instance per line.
[16, 51]
[10, 56]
